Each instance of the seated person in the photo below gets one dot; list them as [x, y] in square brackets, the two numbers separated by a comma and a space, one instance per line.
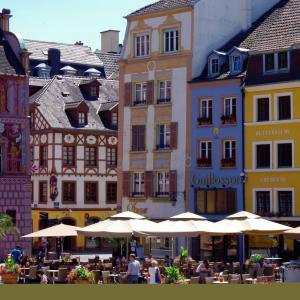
[167, 261]
[204, 268]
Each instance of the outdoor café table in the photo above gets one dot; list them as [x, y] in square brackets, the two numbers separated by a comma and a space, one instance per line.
[276, 260]
[114, 277]
[52, 273]
[23, 271]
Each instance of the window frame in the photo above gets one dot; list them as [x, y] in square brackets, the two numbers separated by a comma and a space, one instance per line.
[232, 62]
[166, 136]
[254, 195]
[276, 97]
[82, 117]
[43, 161]
[114, 118]
[87, 156]
[255, 107]
[276, 193]
[140, 176]
[276, 62]
[254, 152]
[106, 199]
[66, 165]
[93, 91]
[176, 40]
[167, 89]
[165, 186]
[43, 182]
[146, 42]
[109, 155]
[74, 183]
[86, 183]
[201, 160]
[276, 144]
[143, 93]
[208, 116]
[212, 66]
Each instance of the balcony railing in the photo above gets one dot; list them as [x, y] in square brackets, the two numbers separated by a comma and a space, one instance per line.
[204, 162]
[139, 102]
[202, 121]
[162, 146]
[163, 100]
[137, 194]
[228, 162]
[228, 119]
[162, 194]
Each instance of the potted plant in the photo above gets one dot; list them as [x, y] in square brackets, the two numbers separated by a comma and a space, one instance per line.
[9, 271]
[183, 256]
[80, 275]
[173, 276]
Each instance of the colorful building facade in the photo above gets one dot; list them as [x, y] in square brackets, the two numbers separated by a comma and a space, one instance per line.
[217, 185]
[15, 187]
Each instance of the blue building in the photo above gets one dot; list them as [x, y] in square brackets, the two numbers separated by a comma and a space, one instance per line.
[217, 179]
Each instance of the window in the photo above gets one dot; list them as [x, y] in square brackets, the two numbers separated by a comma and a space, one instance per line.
[138, 185]
[236, 63]
[69, 156]
[163, 137]
[90, 156]
[93, 91]
[43, 192]
[214, 66]
[138, 138]
[43, 156]
[114, 119]
[31, 155]
[219, 201]
[263, 109]
[269, 62]
[285, 155]
[3, 99]
[205, 155]
[229, 116]
[274, 62]
[111, 192]
[69, 192]
[263, 203]
[284, 108]
[171, 40]
[263, 156]
[31, 120]
[282, 60]
[164, 91]
[91, 193]
[13, 214]
[285, 203]
[229, 154]
[111, 158]
[142, 44]
[205, 112]
[81, 119]
[162, 184]
[140, 93]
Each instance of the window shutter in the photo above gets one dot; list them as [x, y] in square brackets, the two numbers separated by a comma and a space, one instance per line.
[174, 135]
[149, 184]
[150, 92]
[134, 138]
[142, 130]
[128, 94]
[173, 184]
[126, 184]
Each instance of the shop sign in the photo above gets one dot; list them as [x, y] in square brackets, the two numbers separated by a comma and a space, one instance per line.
[212, 179]
[272, 180]
[273, 132]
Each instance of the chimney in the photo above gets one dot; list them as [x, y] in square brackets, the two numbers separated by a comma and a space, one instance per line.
[4, 19]
[246, 14]
[54, 61]
[110, 41]
[78, 43]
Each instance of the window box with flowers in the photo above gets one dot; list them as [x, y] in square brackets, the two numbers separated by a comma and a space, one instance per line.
[204, 121]
[10, 271]
[228, 162]
[228, 119]
[204, 162]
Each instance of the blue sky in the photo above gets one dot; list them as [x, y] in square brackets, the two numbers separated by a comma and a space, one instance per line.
[69, 21]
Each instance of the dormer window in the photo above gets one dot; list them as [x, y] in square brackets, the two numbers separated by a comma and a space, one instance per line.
[236, 63]
[92, 73]
[43, 71]
[82, 119]
[276, 62]
[93, 91]
[114, 119]
[68, 71]
[214, 66]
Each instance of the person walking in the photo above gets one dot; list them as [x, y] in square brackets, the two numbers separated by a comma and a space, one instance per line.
[133, 271]
[154, 273]
[16, 254]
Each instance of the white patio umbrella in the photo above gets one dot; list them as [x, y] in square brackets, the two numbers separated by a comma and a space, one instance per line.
[248, 223]
[123, 225]
[58, 231]
[293, 234]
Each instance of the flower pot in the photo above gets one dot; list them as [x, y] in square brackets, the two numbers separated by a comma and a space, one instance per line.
[10, 278]
[82, 282]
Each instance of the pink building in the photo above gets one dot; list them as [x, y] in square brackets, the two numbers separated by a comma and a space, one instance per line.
[15, 184]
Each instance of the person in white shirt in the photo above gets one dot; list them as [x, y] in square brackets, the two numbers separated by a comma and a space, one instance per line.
[154, 273]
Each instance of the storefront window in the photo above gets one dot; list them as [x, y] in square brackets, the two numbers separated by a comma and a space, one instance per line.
[218, 201]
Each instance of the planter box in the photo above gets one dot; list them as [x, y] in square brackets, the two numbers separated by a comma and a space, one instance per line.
[9, 278]
[82, 282]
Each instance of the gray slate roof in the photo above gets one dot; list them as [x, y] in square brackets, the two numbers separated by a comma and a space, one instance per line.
[110, 61]
[51, 101]
[75, 54]
[163, 5]
[107, 106]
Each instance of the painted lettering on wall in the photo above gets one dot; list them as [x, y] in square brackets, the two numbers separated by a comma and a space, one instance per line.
[212, 179]
[133, 208]
[272, 132]
[272, 179]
